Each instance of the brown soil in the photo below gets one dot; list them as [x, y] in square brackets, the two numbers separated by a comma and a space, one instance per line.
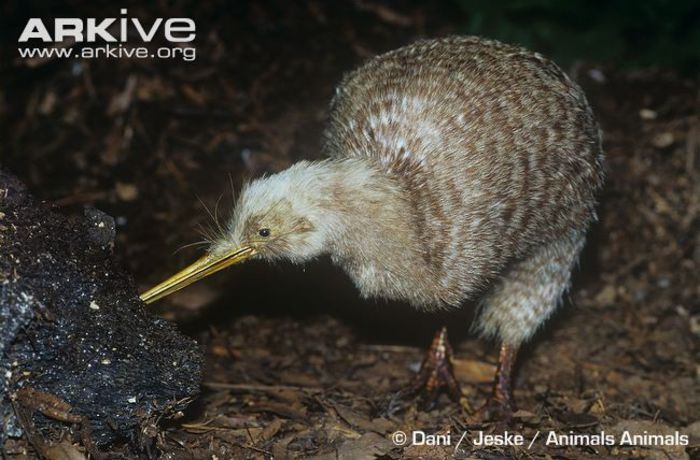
[298, 365]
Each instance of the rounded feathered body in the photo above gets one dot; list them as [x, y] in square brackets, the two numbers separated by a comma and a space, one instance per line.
[495, 149]
[458, 168]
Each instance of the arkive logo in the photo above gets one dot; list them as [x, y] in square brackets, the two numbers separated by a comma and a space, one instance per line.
[175, 30]
[107, 38]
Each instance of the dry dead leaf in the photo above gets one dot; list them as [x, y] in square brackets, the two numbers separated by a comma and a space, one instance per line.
[126, 192]
[473, 371]
[121, 102]
[63, 451]
[368, 446]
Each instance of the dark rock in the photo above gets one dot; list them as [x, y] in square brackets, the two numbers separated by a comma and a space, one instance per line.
[72, 325]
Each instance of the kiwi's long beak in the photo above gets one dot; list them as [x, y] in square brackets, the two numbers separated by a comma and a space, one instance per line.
[203, 267]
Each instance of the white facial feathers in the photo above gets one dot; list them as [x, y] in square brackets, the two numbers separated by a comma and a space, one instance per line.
[295, 208]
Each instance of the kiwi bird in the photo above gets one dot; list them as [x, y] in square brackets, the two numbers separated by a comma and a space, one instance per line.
[457, 169]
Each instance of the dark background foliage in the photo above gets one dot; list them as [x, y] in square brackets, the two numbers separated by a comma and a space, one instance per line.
[658, 33]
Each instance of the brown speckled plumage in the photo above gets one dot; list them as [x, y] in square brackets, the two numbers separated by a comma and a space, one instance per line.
[499, 156]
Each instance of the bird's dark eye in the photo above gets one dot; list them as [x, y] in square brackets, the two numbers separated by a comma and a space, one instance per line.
[264, 232]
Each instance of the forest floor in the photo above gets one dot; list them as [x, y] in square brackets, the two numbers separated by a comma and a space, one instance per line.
[297, 364]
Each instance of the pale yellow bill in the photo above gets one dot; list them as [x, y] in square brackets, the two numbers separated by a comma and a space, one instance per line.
[201, 268]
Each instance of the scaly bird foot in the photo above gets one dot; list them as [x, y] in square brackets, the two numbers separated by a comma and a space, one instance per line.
[500, 406]
[436, 373]
[495, 409]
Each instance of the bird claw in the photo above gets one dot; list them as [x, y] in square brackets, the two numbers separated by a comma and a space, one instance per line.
[436, 373]
[500, 405]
